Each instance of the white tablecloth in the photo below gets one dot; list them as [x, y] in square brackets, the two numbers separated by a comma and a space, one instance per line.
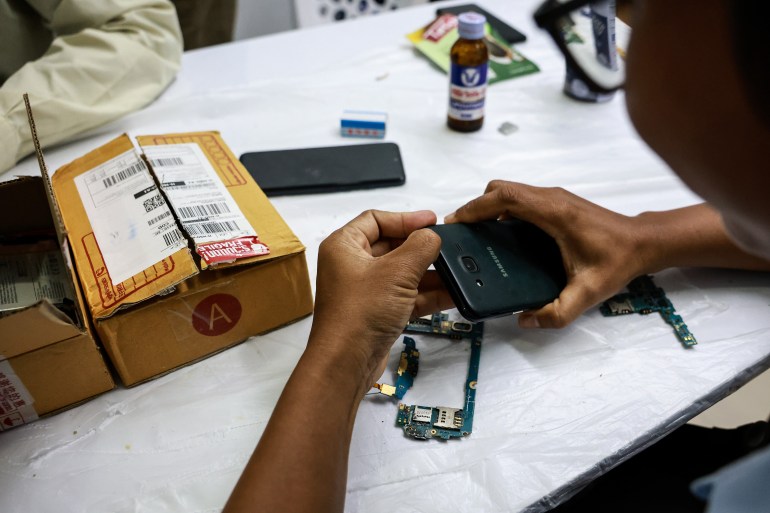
[553, 407]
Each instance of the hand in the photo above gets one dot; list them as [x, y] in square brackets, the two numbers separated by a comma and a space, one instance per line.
[600, 248]
[371, 281]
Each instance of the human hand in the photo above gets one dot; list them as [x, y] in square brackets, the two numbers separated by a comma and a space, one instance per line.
[371, 280]
[601, 249]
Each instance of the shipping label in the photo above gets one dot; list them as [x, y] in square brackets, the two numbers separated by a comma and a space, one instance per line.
[131, 221]
[204, 206]
[16, 403]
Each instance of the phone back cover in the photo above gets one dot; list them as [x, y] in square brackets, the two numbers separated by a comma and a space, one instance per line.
[519, 267]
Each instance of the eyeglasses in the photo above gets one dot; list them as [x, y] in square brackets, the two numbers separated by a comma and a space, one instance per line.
[584, 32]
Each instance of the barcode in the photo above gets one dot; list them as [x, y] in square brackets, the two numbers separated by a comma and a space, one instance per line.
[209, 228]
[171, 161]
[159, 218]
[122, 175]
[172, 237]
[153, 203]
[211, 209]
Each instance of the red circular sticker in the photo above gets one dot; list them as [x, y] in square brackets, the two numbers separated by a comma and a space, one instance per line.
[216, 314]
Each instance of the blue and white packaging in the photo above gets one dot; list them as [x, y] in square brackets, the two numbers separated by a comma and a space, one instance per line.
[358, 123]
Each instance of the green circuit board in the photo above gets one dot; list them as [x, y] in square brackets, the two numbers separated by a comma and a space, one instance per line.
[424, 422]
[408, 365]
[644, 297]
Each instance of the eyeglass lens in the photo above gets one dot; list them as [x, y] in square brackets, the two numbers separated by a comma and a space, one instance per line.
[590, 37]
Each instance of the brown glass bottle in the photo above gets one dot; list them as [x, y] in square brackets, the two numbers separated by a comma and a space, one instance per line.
[468, 75]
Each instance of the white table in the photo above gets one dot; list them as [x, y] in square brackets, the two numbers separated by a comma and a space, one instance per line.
[553, 407]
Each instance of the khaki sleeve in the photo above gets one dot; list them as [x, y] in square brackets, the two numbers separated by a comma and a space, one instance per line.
[110, 57]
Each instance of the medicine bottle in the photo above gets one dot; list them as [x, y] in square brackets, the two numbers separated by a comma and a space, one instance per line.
[468, 74]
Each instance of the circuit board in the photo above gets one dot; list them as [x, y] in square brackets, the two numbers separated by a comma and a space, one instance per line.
[644, 297]
[408, 365]
[424, 422]
[439, 324]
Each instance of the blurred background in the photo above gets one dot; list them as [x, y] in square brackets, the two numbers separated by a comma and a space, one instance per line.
[260, 17]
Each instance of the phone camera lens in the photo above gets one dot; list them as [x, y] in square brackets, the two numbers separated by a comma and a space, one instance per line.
[470, 264]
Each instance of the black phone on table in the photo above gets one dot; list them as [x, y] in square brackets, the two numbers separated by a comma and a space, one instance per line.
[510, 34]
[496, 268]
[327, 169]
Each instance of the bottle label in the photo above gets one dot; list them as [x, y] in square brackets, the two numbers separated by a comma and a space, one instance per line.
[467, 90]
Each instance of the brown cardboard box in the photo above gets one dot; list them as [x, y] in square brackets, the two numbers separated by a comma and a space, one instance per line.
[47, 362]
[180, 307]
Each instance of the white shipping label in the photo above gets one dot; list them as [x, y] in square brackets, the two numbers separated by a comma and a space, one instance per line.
[131, 221]
[201, 201]
[28, 278]
[16, 403]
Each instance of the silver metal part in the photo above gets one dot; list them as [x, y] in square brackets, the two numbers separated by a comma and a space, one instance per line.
[449, 418]
[620, 307]
[462, 327]
[507, 128]
[422, 414]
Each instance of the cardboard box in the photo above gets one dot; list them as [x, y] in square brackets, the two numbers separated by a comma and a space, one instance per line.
[48, 361]
[179, 253]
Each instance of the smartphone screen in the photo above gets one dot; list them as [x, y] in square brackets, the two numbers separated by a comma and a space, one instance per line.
[327, 169]
[497, 268]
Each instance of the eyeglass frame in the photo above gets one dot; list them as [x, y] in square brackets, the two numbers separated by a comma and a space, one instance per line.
[547, 16]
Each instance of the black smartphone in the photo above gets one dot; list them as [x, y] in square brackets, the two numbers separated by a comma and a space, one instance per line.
[496, 268]
[510, 34]
[327, 169]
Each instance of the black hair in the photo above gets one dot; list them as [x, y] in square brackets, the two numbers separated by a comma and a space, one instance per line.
[751, 37]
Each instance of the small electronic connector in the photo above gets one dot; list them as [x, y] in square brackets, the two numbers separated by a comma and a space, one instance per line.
[368, 124]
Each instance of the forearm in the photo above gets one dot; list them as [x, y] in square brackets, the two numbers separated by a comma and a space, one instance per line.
[690, 237]
[300, 463]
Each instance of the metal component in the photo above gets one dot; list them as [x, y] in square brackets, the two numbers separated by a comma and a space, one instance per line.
[507, 128]
[620, 307]
[385, 389]
[463, 327]
[449, 418]
[422, 414]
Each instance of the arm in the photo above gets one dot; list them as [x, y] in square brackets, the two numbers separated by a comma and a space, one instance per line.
[603, 250]
[110, 57]
[371, 281]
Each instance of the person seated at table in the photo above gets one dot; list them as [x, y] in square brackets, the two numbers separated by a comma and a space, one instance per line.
[82, 63]
[696, 91]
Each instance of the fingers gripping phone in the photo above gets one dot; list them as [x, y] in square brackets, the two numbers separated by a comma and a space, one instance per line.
[496, 268]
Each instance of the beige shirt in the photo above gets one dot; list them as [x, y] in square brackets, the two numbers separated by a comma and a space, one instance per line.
[83, 63]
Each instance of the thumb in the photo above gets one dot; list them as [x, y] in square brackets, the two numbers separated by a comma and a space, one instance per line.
[417, 253]
[575, 299]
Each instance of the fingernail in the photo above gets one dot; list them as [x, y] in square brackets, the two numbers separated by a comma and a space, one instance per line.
[528, 321]
[450, 218]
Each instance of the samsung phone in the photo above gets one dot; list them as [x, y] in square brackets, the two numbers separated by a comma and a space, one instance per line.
[510, 34]
[496, 268]
[328, 169]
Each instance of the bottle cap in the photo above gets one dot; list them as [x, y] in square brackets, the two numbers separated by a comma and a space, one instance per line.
[471, 25]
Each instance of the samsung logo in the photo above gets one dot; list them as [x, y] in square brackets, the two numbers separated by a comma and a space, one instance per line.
[497, 262]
